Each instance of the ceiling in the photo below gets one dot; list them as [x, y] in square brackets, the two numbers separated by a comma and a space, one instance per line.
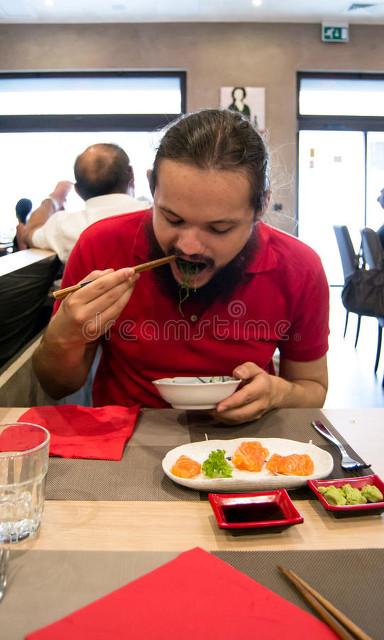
[72, 11]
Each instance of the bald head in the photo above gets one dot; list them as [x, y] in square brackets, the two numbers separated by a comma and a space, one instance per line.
[102, 169]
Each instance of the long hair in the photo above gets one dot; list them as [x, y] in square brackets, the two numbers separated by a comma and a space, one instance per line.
[218, 139]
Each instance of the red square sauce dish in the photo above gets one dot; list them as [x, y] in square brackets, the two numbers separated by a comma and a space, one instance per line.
[340, 510]
[254, 510]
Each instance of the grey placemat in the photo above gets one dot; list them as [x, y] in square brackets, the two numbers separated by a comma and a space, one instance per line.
[139, 475]
[44, 586]
[353, 580]
[164, 428]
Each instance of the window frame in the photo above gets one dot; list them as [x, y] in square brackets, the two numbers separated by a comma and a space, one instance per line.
[93, 122]
[337, 123]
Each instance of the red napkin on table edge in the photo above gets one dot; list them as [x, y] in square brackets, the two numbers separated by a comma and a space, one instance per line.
[98, 433]
[194, 596]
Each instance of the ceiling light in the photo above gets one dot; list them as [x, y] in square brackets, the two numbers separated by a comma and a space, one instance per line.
[49, 3]
[257, 3]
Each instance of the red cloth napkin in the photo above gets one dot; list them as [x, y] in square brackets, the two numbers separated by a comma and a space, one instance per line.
[85, 432]
[192, 597]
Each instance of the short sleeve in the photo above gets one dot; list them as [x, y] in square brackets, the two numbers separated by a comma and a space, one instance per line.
[51, 235]
[75, 270]
[307, 337]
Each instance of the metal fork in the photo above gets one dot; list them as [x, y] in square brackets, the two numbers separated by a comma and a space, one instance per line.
[347, 463]
[4, 555]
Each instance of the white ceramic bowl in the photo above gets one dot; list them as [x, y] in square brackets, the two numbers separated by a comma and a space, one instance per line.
[196, 393]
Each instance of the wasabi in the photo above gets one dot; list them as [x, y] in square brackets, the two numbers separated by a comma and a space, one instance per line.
[348, 495]
[335, 496]
[353, 496]
[372, 493]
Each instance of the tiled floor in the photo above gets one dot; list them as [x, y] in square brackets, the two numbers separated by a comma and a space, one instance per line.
[352, 382]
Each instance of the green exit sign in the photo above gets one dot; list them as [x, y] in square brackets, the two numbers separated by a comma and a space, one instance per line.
[334, 33]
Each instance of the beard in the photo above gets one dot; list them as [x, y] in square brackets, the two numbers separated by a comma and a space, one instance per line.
[220, 286]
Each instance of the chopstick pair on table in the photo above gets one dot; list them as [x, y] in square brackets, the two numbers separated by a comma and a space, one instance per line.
[60, 294]
[334, 618]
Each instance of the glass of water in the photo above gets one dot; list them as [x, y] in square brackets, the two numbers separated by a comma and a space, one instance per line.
[24, 451]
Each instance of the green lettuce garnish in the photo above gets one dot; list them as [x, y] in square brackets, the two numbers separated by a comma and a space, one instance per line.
[216, 466]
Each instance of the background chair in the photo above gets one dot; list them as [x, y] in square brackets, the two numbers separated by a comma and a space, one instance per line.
[349, 262]
[373, 256]
[373, 253]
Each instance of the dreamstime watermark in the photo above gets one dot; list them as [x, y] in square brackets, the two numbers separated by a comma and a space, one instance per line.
[233, 325]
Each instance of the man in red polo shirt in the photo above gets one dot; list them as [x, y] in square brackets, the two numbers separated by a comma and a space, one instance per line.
[250, 289]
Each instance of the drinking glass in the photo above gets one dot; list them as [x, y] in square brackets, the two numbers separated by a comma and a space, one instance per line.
[24, 451]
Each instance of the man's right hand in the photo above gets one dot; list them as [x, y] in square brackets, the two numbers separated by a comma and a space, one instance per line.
[54, 202]
[85, 315]
[61, 191]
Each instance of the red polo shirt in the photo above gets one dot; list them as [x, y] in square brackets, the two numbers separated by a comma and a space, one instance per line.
[282, 303]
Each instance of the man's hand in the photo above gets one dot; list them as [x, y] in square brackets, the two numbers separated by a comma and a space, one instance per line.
[65, 354]
[60, 192]
[48, 207]
[300, 384]
[20, 236]
[85, 315]
[254, 398]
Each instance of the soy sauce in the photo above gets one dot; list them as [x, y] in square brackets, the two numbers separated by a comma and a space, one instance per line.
[253, 512]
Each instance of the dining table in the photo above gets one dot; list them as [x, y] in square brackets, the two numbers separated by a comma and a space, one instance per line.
[106, 523]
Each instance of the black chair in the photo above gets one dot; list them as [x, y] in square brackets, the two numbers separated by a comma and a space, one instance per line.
[349, 262]
[373, 255]
[373, 252]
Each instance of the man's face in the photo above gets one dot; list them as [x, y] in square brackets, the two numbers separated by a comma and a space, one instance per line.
[380, 199]
[204, 216]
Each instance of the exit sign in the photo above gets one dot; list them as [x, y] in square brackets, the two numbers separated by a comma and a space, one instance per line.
[334, 33]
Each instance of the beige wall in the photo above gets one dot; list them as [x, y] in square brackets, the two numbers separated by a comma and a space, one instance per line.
[214, 55]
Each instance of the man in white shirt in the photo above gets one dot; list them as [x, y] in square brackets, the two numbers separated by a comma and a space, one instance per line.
[104, 180]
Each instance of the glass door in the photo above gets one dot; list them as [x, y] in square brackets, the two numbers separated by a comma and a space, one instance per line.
[375, 178]
[331, 191]
[340, 159]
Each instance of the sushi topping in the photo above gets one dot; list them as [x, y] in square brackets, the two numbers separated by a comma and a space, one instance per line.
[292, 465]
[250, 456]
[185, 467]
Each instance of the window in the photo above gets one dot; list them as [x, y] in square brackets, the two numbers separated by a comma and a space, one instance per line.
[341, 96]
[47, 95]
[47, 119]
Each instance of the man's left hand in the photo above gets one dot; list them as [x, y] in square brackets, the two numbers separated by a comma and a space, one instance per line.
[254, 398]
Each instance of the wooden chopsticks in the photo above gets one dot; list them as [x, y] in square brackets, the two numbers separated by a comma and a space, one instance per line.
[153, 264]
[60, 294]
[338, 621]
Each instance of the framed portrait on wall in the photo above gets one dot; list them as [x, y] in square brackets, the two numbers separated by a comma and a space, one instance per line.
[250, 101]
